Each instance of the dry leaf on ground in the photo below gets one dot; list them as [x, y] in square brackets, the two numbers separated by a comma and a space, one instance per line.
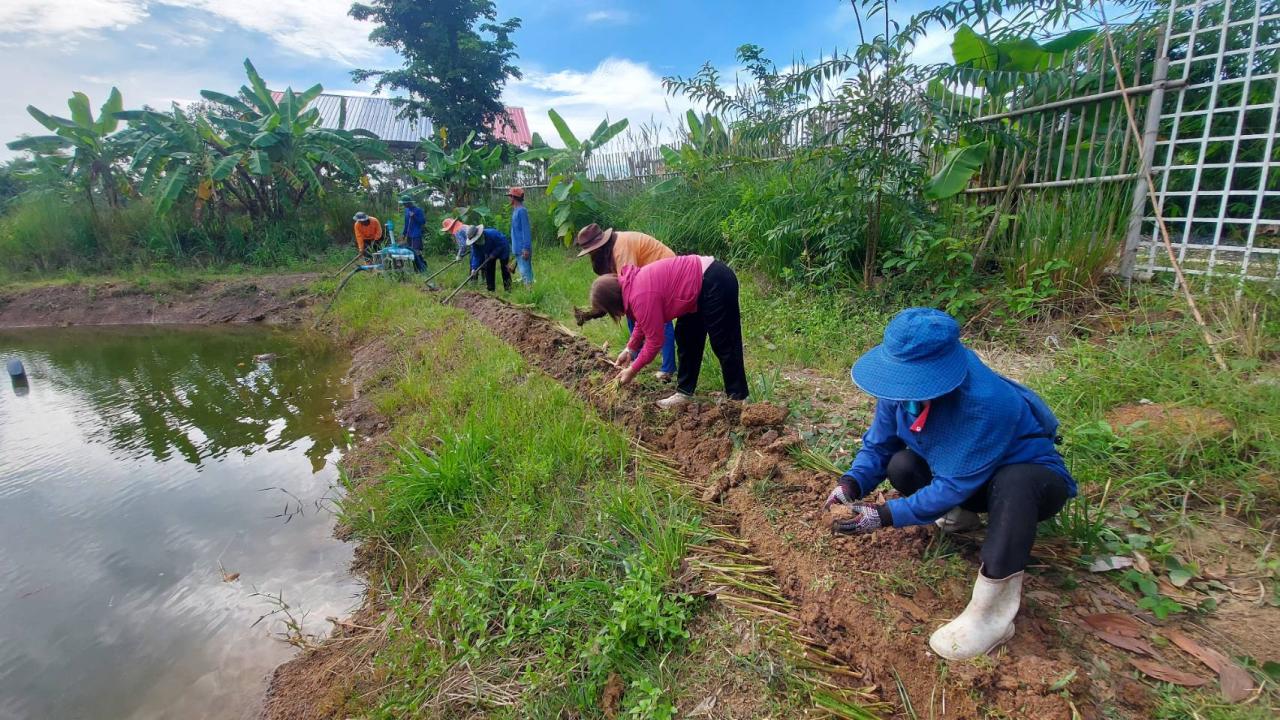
[611, 700]
[1235, 681]
[1131, 644]
[704, 708]
[1115, 623]
[1162, 672]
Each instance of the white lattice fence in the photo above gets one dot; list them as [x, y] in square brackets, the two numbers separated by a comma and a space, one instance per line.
[1217, 163]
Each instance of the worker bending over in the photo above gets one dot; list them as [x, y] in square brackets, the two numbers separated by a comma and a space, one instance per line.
[489, 247]
[368, 232]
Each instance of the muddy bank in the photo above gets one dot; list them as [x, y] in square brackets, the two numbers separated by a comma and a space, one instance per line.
[869, 601]
[276, 299]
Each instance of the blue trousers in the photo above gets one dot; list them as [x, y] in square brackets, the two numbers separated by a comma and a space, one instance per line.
[668, 345]
[526, 269]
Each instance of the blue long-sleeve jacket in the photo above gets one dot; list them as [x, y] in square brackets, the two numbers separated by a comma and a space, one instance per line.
[414, 221]
[494, 244]
[521, 231]
[982, 426]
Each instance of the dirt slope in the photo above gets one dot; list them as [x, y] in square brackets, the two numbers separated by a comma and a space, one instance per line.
[277, 299]
[873, 600]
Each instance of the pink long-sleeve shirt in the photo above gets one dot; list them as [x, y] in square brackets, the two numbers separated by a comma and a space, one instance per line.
[656, 294]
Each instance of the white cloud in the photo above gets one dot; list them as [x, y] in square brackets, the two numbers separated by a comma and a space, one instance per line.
[616, 88]
[312, 28]
[611, 17]
[934, 47]
[47, 20]
[315, 28]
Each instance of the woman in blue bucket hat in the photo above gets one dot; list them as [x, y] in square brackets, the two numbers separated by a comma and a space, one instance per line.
[955, 439]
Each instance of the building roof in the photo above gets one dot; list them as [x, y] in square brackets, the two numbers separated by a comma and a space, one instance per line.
[516, 131]
[380, 116]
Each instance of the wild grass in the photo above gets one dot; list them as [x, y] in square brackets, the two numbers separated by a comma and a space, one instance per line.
[1077, 231]
[41, 236]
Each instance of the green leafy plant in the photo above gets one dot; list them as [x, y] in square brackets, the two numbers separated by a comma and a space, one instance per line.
[95, 152]
[266, 155]
[646, 701]
[461, 174]
[569, 197]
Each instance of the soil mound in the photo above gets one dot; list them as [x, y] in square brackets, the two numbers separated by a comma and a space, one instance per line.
[1154, 418]
[276, 299]
[763, 415]
[870, 601]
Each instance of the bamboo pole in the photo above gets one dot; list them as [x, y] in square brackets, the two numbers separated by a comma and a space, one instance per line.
[1155, 205]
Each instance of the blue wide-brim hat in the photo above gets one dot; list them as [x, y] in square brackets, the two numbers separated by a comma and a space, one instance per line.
[921, 358]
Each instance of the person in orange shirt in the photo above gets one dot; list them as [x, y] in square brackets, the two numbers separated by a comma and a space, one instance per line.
[610, 251]
[368, 232]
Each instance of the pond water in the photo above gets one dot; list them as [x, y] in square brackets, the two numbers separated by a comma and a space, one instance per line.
[139, 469]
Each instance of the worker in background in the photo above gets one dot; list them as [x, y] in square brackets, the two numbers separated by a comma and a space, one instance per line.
[701, 294]
[457, 230]
[613, 249]
[489, 248]
[954, 439]
[521, 235]
[415, 221]
[368, 232]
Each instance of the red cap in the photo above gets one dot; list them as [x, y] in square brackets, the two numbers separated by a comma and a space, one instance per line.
[516, 192]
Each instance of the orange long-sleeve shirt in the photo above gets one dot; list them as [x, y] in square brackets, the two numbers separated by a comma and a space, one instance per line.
[638, 249]
[367, 234]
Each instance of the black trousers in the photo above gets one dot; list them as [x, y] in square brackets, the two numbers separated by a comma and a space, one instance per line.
[718, 318]
[489, 277]
[1015, 499]
[419, 265]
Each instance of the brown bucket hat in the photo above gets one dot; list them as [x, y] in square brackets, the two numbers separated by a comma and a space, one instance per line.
[591, 237]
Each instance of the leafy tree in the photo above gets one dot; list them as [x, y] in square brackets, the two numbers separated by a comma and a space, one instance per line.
[570, 197]
[268, 155]
[459, 175]
[93, 163]
[457, 58]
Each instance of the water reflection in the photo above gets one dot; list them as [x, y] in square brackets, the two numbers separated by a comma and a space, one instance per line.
[131, 472]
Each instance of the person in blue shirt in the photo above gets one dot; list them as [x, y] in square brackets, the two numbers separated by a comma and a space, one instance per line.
[954, 439]
[415, 221]
[521, 235]
[489, 247]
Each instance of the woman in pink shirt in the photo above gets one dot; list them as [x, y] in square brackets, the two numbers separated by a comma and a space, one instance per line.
[701, 294]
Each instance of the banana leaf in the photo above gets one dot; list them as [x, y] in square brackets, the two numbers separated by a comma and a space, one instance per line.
[958, 167]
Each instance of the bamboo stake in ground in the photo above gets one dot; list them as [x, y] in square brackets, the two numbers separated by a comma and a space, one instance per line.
[1155, 203]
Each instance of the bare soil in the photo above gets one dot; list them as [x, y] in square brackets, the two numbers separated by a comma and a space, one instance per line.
[274, 299]
[1198, 422]
[872, 601]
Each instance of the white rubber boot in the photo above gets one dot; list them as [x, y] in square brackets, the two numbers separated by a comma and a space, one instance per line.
[958, 520]
[985, 623]
[675, 401]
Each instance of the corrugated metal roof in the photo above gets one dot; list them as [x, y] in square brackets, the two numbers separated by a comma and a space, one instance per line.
[515, 132]
[380, 117]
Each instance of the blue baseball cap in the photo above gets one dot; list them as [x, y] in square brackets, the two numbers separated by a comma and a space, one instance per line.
[921, 358]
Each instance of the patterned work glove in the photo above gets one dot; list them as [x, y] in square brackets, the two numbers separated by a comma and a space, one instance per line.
[865, 520]
[838, 495]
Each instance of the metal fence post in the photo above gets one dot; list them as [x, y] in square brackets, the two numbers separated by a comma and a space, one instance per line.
[1145, 161]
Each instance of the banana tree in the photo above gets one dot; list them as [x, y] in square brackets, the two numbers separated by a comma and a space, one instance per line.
[1008, 70]
[707, 137]
[94, 159]
[461, 174]
[266, 154]
[570, 198]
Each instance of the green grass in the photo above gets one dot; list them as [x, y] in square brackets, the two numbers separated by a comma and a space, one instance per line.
[528, 553]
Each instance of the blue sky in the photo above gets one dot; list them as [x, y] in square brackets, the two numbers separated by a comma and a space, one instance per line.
[586, 58]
